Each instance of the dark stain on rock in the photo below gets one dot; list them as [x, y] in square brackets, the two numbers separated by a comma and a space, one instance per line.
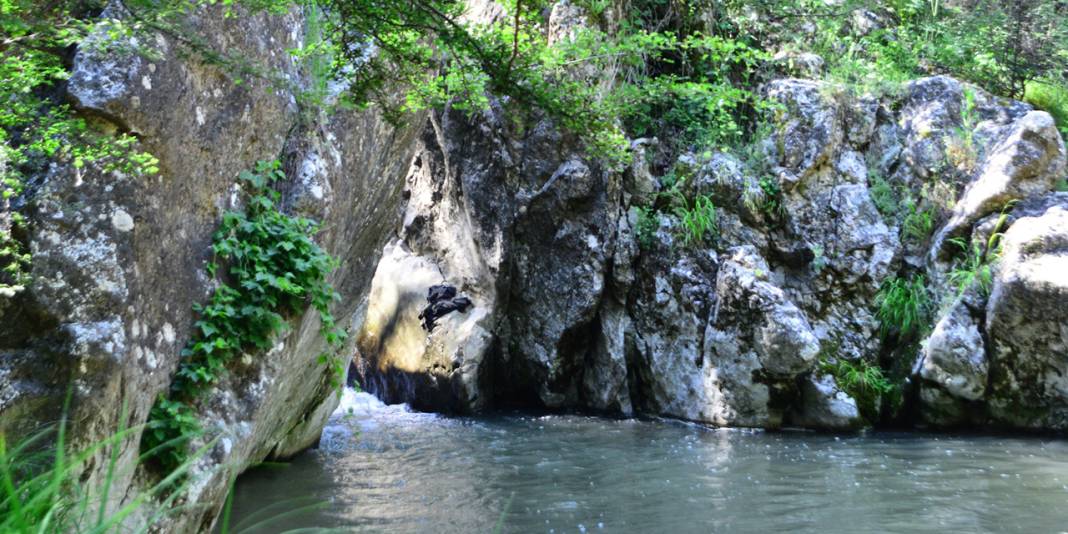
[441, 301]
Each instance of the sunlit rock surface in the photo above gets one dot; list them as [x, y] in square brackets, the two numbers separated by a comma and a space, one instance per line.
[1027, 323]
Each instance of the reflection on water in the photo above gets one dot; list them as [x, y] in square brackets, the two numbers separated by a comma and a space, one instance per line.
[385, 469]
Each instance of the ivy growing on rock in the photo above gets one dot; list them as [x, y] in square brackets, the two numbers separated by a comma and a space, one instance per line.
[268, 268]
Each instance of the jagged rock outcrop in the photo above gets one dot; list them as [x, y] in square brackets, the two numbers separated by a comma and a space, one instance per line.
[955, 356]
[426, 369]
[587, 302]
[118, 261]
[996, 355]
[1000, 360]
[1022, 165]
[472, 190]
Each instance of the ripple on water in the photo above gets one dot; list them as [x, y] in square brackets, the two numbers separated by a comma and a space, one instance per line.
[386, 468]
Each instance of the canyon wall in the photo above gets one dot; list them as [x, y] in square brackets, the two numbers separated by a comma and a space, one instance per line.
[574, 309]
[584, 296]
[119, 261]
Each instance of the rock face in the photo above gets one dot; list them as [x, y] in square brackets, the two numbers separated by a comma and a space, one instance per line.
[1024, 164]
[430, 375]
[587, 295]
[119, 261]
[467, 202]
[1027, 323]
[1001, 360]
[996, 355]
[955, 356]
[824, 405]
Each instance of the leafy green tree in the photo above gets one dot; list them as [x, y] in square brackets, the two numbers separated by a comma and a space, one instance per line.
[1005, 45]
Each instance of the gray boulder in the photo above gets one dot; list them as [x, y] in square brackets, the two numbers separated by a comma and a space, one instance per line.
[824, 406]
[810, 130]
[954, 356]
[1027, 324]
[798, 64]
[1024, 164]
[119, 260]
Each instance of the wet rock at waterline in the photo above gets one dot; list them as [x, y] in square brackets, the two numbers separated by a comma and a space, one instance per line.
[824, 405]
[400, 359]
[955, 354]
[1001, 359]
[1027, 323]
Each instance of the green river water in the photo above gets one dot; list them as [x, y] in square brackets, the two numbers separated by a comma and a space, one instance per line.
[386, 469]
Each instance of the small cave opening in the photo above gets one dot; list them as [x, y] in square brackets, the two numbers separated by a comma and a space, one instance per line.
[508, 387]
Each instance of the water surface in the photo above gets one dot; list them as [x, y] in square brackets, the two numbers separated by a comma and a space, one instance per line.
[385, 469]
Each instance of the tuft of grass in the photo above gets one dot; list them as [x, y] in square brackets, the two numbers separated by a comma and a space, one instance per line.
[698, 220]
[977, 265]
[917, 217]
[42, 488]
[918, 222]
[883, 195]
[863, 381]
[772, 205]
[904, 307]
[974, 268]
[960, 147]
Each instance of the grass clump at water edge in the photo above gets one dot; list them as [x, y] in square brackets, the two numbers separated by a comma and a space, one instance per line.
[865, 382]
[42, 489]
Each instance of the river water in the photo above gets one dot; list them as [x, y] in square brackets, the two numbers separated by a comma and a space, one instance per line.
[386, 469]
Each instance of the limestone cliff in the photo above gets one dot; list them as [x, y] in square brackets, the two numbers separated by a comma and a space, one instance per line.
[573, 311]
[118, 262]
